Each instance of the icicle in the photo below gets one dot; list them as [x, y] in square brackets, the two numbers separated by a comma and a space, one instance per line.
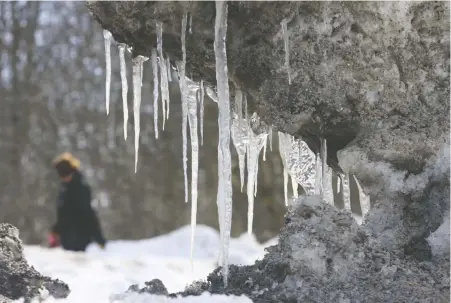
[169, 69]
[270, 138]
[338, 183]
[211, 94]
[326, 186]
[224, 158]
[201, 101]
[285, 185]
[287, 48]
[107, 37]
[137, 67]
[318, 174]
[155, 90]
[264, 150]
[190, 23]
[245, 108]
[364, 199]
[163, 74]
[240, 133]
[182, 75]
[284, 165]
[346, 192]
[294, 186]
[124, 86]
[255, 145]
[191, 90]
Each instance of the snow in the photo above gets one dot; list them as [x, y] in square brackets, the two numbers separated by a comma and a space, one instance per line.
[124, 86]
[107, 36]
[224, 195]
[98, 274]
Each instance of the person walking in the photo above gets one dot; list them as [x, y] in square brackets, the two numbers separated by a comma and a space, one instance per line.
[77, 224]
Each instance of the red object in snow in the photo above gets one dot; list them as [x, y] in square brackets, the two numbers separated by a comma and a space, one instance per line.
[53, 240]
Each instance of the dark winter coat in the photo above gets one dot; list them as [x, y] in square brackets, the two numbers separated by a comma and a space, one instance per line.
[77, 223]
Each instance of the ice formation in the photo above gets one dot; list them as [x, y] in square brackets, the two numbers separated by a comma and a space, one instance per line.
[338, 184]
[169, 69]
[155, 90]
[137, 73]
[191, 90]
[124, 86]
[287, 48]
[346, 192]
[254, 147]
[240, 133]
[224, 198]
[107, 37]
[201, 113]
[182, 77]
[163, 74]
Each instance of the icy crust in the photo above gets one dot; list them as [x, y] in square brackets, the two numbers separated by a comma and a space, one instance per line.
[323, 255]
[17, 278]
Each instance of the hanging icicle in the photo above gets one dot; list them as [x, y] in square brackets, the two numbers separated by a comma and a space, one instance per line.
[124, 86]
[182, 75]
[137, 67]
[107, 37]
[346, 192]
[155, 90]
[224, 158]
[163, 73]
[240, 133]
[201, 105]
[169, 69]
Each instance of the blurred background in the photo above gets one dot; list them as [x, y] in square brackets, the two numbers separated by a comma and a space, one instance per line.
[52, 90]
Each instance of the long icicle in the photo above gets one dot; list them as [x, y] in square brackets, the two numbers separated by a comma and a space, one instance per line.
[224, 157]
[124, 85]
[107, 37]
[193, 126]
[346, 192]
[324, 169]
[155, 90]
[163, 72]
[169, 68]
[181, 68]
[201, 101]
[137, 66]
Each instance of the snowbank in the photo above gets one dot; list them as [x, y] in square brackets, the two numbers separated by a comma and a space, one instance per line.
[97, 274]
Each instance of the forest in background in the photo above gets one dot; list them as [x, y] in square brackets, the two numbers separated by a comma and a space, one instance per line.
[52, 85]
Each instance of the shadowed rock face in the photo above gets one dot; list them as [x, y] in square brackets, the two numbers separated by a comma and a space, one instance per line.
[17, 278]
[373, 74]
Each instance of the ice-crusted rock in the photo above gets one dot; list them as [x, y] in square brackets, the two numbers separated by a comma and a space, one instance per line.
[323, 255]
[17, 278]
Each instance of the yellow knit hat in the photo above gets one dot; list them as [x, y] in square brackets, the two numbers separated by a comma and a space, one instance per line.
[74, 162]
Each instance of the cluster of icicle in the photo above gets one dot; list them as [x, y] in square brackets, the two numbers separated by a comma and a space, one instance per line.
[299, 162]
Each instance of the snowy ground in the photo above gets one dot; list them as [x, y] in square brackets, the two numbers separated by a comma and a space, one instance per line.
[96, 275]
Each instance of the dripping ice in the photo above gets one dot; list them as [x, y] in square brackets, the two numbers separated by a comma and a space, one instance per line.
[163, 73]
[155, 90]
[240, 133]
[255, 145]
[224, 196]
[137, 80]
[201, 105]
[107, 37]
[124, 86]
[181, 70]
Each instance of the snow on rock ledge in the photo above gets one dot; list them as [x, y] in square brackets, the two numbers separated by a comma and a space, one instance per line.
[17, 278]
